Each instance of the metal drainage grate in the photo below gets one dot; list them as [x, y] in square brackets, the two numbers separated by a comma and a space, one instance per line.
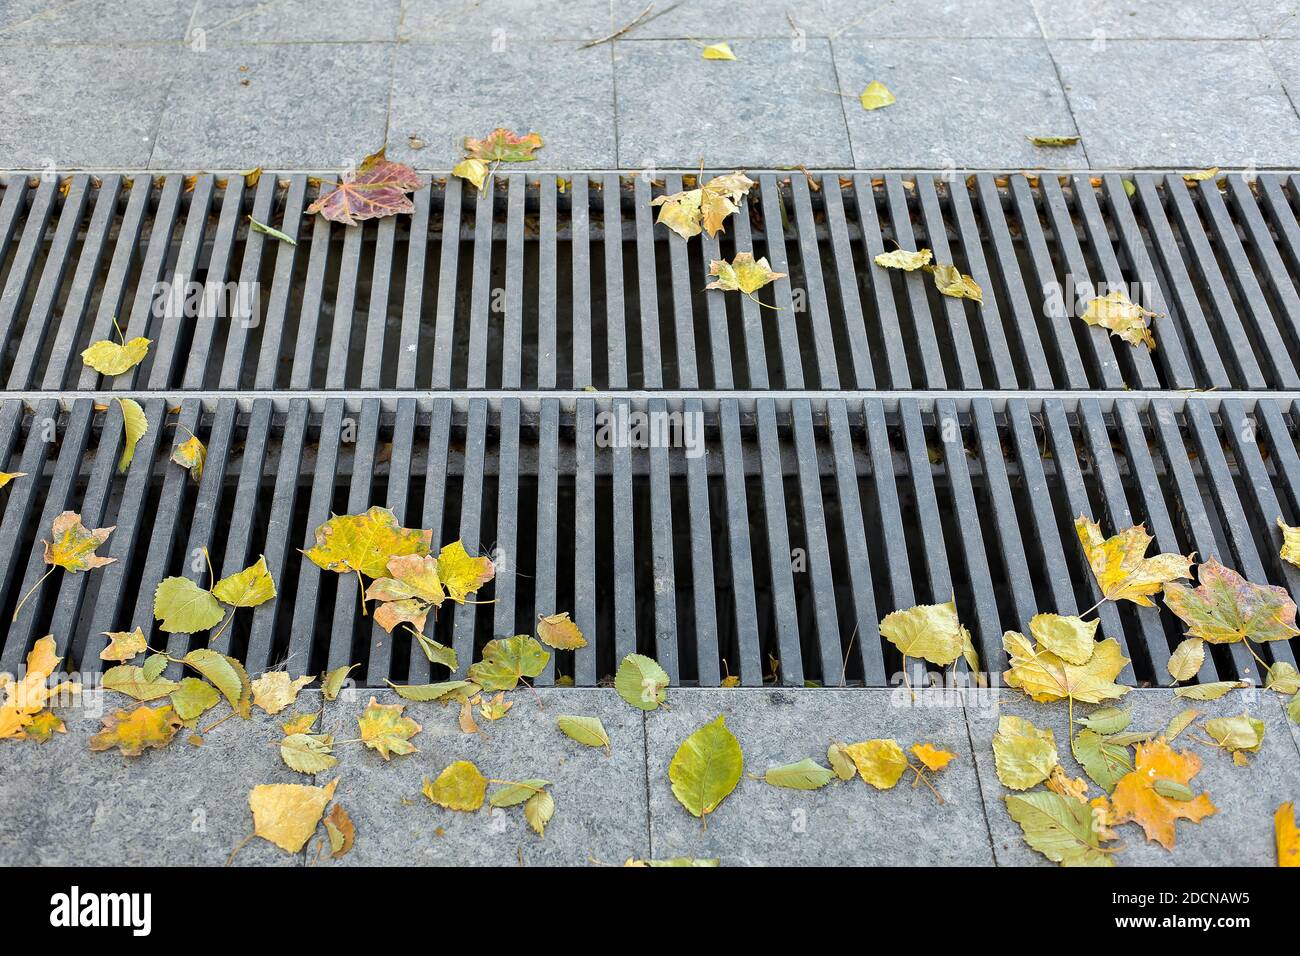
[685, 557]
[570, 289]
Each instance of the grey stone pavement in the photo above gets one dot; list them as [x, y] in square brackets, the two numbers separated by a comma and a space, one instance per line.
[63, 804]
[316, 84]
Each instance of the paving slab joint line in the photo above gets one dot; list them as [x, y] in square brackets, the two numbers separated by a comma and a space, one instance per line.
[988, 820]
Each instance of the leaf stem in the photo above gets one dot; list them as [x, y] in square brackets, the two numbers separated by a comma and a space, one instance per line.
[29, 593]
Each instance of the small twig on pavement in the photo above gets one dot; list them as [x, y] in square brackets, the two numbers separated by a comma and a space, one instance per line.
[635, 21]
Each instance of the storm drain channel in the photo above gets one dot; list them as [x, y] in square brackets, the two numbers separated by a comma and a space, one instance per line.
[854, 444]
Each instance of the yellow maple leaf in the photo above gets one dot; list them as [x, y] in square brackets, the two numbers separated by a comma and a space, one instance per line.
[383, 728]
[287, 813]
[742, 274]
[461, 573]
[72, 545]
[1121, 316]
[43, 725]
[274, 690]
[1046, 677]
[1288, 836]
[1136, 796]
[191, 454]
[933, 758]
[1118, 564]
[365, 543]
[705, 208]
[410, 591]
[134, 731]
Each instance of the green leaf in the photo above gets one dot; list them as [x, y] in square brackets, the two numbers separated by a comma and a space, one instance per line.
[427, 692]
[1131, 738]
[1053, 140]
[227, 674]
[1283, 678]
[268, 231]
[247, 588]
[1293, 709]
[641, 681]
[135, 426]
[1226, 608]
[706, 768]
[130, 679]
[1058, 827]
[1023, 754]
[588, 731]
[438, 653]
[807, 774]
[308, 753]
[513, 794]
[676, 861]
[1108, 720]
[332, 683]
[1173, 790]
[1104, 761]
[1211, 691]
[193, 698]
[508, 660]
[876, 96]
[1244, 733]
[184, 607]
[153, 666]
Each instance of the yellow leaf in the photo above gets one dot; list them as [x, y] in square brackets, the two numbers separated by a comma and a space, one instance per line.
[134, 731]
[1136, 797]
[1288, 836]
[904, 259]
[123, 645]
[191, 454]
[135, 426]
[459, 787]
[1045, 677]
[704, 209]
[332, 682]
[1290, 541]
[706, 768]
[109, 358]
[299, 725]
[880, 762]
[1115, 312]
[1186, 660]
[538, 811]
[718, 51]
[742, 274]
[928, 631]
[43, 724]
[837, 756]
[1023, 754]
[1068, 637]
[1201, 175]
[72, 545]
[383, 728]
[875, 96]
[495, 708]
[680, 212]
[1059, 782]
[461, 573]
[8, 476]
[1117, 562]
[407, 595]
[365, 543]
[955, 284]
[559, 631]
[933, 758]
[274, 691]
[287, 813]
[341, 831]
[1053, 141]
[247, 588]
[474, 170]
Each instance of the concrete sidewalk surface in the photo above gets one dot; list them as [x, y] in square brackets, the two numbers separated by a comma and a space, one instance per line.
[187, 804]
[306, 84]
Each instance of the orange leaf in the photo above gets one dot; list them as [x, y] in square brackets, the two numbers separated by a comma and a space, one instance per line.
[1135, 796]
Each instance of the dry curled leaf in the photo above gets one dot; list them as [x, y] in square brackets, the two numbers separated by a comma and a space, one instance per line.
[904, 259]
[742, 274]
[341, 831]
[1119, 565]
[378, 188]
[191, 454]
[689, 212]
[1290, 541]
[955, 284]
[1121, 316]
[1053, 141]
[135, 424]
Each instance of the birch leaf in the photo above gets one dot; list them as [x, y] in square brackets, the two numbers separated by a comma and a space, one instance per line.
[1023, 754]
[185, 608]
[876, 96]
[72, 545]
[588, 731]
[1136, 798]
[538, 811]
[123, 645]
[378, 188]
[641, 681]
[194, 697]
[385, 730]
[459, 787]
[274, 690]
[929, 631]
[1226, 608]
[131, 680]
[807, 774]
[718, 51]
[1069, 637]
[1117, 562]
[1104, 761]
[558, 631]
[134, 425]
[742, 274]
[1108, 720]
[508, 660]
[1290, 542]
[135, 731]
[904, 259]
[706, 768]
[1060, 828]
[1186, 660]
[110, 358]
[308, 753]
[365, 543]
[287, 814]
[1211, 691]
[247, 588]
[428, 692]
[880, 762]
